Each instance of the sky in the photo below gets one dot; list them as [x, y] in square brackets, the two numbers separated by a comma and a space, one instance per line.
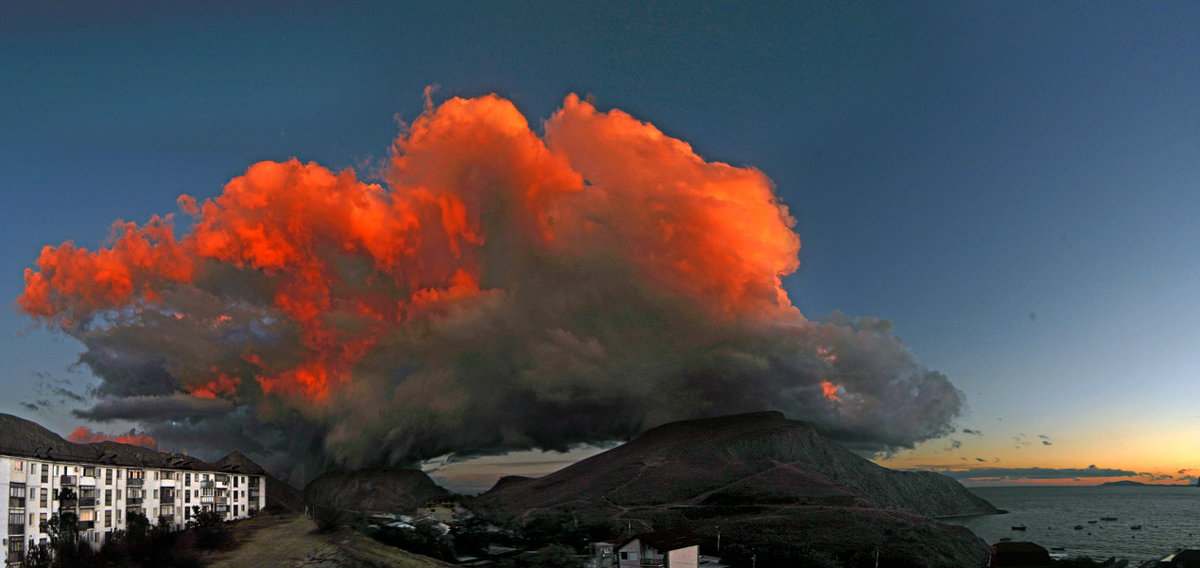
[1014, 186]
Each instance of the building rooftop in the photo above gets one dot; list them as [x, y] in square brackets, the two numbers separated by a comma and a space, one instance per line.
[23, 438]
[664, 540]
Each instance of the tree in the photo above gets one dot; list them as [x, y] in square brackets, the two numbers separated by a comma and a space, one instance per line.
[66, 549]
[209, 527]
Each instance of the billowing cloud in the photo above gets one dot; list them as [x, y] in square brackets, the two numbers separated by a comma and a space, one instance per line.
[85, 435]
[972, 432]
[498, 290]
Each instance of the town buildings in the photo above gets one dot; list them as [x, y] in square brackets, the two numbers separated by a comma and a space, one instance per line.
[104, 483]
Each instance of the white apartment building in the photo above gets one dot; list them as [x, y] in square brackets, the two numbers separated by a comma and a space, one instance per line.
[111, 486]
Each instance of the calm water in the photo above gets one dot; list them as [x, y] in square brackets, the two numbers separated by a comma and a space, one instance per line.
[1170, 519]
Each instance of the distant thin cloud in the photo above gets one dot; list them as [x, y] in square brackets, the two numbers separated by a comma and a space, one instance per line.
[972, 432]
[1030, 473]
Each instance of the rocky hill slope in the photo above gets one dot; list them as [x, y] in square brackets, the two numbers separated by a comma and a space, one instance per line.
[767, 481]
[374, 489]
[760, 458]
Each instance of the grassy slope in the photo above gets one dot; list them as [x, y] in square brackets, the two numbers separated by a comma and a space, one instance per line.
[290, 540]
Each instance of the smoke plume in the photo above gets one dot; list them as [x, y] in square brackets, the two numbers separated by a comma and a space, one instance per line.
[497, 290]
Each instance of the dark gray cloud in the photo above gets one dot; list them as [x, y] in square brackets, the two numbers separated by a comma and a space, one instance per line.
[1047, 443]
[154, 408]
[972, 432]
[30, 406]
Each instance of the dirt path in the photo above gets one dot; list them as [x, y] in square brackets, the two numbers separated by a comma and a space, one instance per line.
[290, 541]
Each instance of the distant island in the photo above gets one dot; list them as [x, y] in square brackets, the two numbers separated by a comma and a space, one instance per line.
[1140, 484]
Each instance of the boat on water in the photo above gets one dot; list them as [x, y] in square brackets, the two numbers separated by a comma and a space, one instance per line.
[1091, 522]
[1108, 518]
[1018, 527]
[1078, 527]
[1136, 527]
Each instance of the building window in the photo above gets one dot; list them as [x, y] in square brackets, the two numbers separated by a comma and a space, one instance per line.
[16, 547]
[107, 519]
[45, 473]
[42, 498]
[156, 494]
[19, 465]
[187, 479]
[108, 497]
[118, 515]
[118, 495]
[33, 469]
[16, 496]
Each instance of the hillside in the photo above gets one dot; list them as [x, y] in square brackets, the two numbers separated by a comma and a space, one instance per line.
[374, 489]
[760, 458]
[770, 481]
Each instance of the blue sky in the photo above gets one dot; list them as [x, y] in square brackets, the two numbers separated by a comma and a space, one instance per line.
[1015, 185]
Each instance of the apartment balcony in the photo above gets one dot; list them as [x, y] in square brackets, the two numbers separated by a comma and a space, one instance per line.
[87, 502]
[208, 499]
[133, 502]
[87, 481]
[16, 558]
[87, 525]
[134, 482]
[67, 481]
[16, 529]
[168, 518]
[253, 494]
[69, 503]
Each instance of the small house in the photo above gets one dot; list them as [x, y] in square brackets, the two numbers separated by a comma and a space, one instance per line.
[671, 548]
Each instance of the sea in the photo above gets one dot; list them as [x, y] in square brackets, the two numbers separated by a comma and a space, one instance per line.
[1169, 518]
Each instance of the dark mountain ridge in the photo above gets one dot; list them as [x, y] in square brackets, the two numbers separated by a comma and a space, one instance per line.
[368, 490]
[768, 482]
[760, 457]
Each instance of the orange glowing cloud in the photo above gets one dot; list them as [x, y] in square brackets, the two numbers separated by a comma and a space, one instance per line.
[710, 232]
[85, 435]
[541, 284]
[830, 391]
